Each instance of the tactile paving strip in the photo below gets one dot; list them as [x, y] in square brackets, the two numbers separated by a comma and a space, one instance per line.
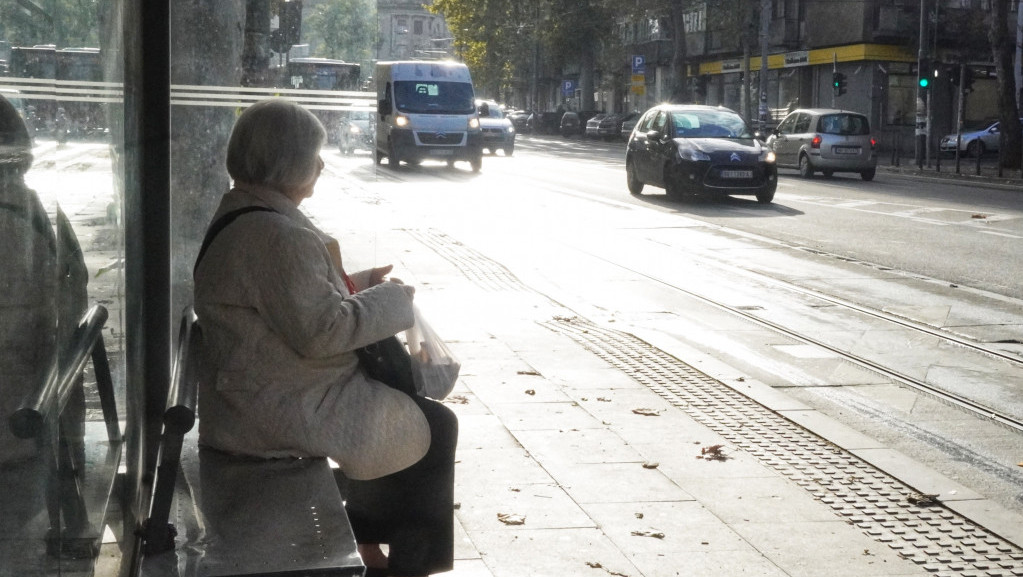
[941, 541]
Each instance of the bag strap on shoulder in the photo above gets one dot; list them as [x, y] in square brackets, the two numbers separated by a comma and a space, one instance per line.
[219, 225]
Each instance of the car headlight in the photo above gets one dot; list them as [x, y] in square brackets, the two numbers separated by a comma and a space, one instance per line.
[401, 120]
[693, 155]
[511, 129]
[766, 155]
[355, 129]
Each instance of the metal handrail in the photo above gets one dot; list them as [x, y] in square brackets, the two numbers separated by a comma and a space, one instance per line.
[45, 403]
[178, 419]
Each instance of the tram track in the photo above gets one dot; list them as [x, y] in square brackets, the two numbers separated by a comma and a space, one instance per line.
[962, 401]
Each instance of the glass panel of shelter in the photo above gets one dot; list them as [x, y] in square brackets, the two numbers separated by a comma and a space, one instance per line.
[63, 240]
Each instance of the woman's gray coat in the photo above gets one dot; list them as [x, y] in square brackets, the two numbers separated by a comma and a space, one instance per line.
[279, 373]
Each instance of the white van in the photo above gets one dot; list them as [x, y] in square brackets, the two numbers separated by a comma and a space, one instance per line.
[426, 111]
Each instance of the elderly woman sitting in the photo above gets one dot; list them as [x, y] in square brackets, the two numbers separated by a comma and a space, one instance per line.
[280, 376]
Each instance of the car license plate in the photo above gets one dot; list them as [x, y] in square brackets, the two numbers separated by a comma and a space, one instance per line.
[442, 152]
[736, 174]
[847, 150]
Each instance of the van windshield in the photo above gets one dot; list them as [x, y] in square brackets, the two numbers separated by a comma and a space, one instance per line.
[433, 97]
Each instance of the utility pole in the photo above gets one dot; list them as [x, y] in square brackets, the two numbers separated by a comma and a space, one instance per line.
[765, 22]
[922, 83]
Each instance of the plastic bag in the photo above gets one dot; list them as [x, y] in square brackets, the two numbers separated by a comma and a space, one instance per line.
[434, 367]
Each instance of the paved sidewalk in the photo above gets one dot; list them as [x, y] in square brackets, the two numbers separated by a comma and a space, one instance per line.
[586, 451]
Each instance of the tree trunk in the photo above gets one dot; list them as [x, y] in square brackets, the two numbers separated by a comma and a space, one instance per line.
[256, 48]
[587, 64]
[678, 52]
[1002, 47]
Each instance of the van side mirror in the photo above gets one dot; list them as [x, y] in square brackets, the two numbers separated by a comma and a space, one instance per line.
[384, 108]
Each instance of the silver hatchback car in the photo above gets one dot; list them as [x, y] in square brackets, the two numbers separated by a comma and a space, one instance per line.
[826, 140]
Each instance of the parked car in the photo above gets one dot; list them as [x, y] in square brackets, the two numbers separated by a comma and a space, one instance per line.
[690, 149]
[356, 130]
[628, 124]
[520, 120]
[498, 132]
[974, 142]
[574, 123]
[544, 122]
[593, 125]
[826, 140]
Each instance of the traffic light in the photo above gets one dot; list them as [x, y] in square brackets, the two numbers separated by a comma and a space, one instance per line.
[924, 73]
[838, 83]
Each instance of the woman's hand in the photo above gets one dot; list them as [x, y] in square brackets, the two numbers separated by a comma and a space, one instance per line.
[376, 275]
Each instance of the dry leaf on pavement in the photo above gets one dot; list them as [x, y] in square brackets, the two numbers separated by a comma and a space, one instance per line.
[651, 533]
[511, 519]
[647, 412]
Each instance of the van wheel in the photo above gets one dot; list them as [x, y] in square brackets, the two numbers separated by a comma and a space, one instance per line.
[379, 158]
[805, 168]
[392, 156]
[508, 151]
[476, 162]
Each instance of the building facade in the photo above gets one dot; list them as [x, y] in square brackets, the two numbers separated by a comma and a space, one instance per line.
[408, 31]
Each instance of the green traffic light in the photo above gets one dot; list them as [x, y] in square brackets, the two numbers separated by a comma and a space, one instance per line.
[924, 83]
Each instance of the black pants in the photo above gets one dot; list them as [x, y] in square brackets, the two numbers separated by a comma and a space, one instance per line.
[412, 511]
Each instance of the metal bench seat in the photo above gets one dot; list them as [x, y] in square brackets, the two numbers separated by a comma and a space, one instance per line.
[218, 515]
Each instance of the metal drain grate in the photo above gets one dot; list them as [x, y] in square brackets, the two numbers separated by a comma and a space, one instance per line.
[941, 541]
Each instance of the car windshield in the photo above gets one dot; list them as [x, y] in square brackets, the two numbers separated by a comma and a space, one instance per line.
[433, 96]
[709, 124]
[844, 124]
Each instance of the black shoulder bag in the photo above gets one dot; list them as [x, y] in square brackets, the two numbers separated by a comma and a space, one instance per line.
[386, 360]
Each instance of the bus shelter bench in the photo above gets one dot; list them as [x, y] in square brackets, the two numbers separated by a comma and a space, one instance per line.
[216, 514]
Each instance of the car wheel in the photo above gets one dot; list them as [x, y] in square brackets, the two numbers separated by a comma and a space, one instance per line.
[805, 168]
[377, 156]
[975, 149]
[765, 197]
[635, 185]
[476, 162]
[868, 175]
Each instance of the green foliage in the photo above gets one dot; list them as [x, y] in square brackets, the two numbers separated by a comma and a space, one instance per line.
[342, 29]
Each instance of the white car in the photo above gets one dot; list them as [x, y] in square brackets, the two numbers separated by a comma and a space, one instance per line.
[498, 130]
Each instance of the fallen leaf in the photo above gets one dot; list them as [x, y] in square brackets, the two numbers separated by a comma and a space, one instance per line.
[979, 216]
[713, 453]
[651, 465]
[639, 515]
[594, 565]
[922, 499]
[741, 379]
[457, 400]
[533, 373]
[647, 412]
[604, 399]
[511, 519]
[530, 392]
[654, 534]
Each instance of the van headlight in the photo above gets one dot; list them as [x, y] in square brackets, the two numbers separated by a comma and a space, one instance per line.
[474, 123]
[401, 121]
[354, 129]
